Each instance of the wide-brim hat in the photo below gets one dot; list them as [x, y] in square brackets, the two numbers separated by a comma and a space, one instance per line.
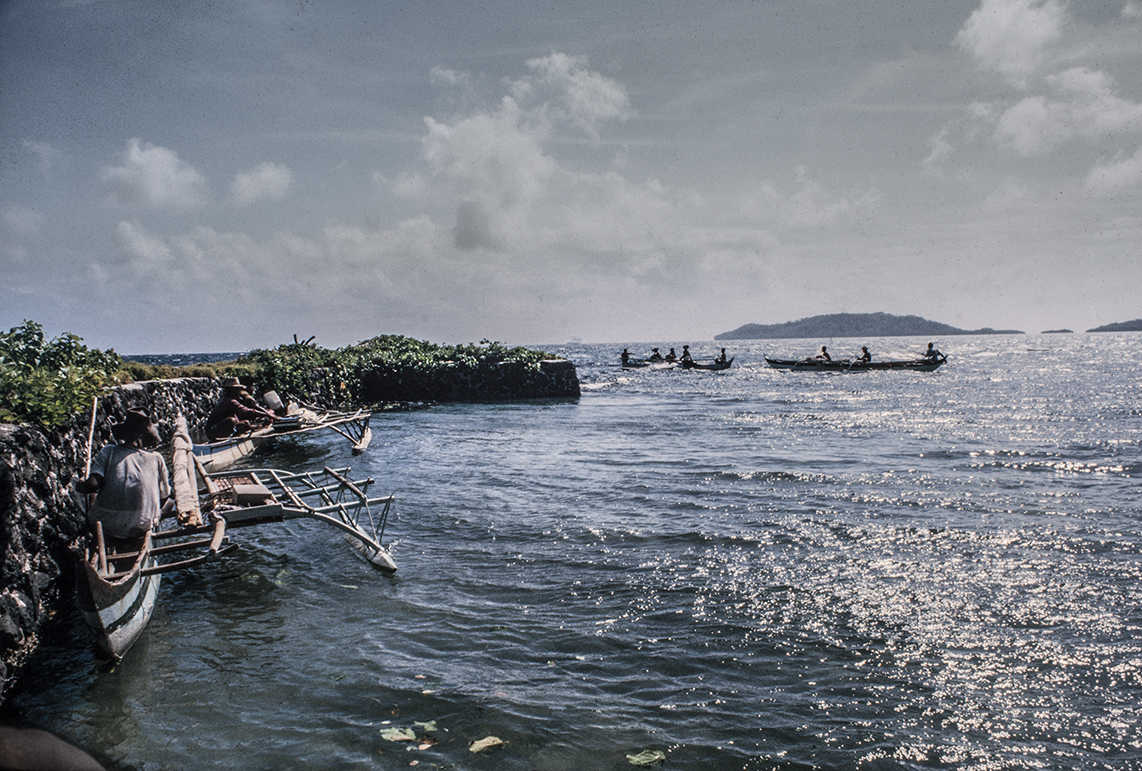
[231, 382]
[135, 424]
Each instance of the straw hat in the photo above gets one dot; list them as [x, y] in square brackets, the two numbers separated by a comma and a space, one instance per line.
[134, 425]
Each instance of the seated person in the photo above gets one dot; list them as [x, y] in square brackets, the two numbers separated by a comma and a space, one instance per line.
[823, 355]
[865, 357]
[131, 482]
[236, 412]
[672, 356]
[625, 356]
[721, 357]
[932, 352]
[686, 354]
[654, 355]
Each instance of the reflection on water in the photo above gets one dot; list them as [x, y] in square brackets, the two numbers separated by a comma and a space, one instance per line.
[749, 568]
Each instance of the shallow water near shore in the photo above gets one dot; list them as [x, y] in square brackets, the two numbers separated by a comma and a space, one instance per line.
[741, 569]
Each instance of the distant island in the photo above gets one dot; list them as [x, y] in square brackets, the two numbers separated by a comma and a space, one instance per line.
[1122, 326]
[856, 325]
[1058, 331]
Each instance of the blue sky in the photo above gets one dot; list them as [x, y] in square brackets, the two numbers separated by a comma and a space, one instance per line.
[221, 176]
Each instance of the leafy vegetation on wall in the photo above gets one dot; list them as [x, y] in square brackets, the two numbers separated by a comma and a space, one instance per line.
[46, 382]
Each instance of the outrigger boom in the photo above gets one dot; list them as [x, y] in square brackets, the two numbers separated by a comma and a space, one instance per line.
[247, 497]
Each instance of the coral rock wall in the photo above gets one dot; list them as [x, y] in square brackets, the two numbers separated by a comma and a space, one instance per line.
[42, 526]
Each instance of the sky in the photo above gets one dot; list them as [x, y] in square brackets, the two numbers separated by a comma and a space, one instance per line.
[218, 176]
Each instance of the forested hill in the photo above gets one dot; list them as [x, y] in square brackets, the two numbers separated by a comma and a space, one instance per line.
[855, 325]
[1121, 326]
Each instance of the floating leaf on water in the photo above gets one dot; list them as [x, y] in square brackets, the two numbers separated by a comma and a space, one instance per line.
[427, 744]
[428, 726]
[398, 734]
[646, 758]
[486, 743]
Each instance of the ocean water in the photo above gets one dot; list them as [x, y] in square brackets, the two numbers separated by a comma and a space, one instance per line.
[740, 569]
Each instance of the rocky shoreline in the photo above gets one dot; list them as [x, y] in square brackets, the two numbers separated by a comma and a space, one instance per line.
[42, 525]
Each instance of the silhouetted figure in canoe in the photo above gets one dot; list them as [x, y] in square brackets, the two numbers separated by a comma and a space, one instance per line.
[625, 356]
[236, 412]
[933, 353]
[686, 357]
[654, 355]
[823, 355]
[721, 357]
[865, 357]
[672, 356]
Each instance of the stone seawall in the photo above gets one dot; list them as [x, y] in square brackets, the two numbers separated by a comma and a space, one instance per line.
[42, 524]
[548, 379]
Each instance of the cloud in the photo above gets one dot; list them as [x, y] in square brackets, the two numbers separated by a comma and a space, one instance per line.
[1083, 105]
[153, 176]
[47, 155]
[442, 76]
[139, 246]
[1011, 36]
[1116, 176]
[21, 221]
[564, 89]
[268, 181]
[809, 204]
[1132, 10]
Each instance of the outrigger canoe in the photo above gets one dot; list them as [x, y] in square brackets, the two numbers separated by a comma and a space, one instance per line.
[223, 453]
[845, 365]
[714, 365]
[120, 584]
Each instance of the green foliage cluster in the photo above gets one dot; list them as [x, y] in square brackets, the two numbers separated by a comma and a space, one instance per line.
[134, 371]
[337, 376]
[46, 382]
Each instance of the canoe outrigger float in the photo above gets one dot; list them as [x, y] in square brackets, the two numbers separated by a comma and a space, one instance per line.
[223, 453]
[122, 583]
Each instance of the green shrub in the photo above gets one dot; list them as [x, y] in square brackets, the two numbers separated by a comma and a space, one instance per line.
[47, 381]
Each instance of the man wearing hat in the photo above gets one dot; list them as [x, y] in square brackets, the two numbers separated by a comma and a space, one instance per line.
[236, 412]
[132, 482]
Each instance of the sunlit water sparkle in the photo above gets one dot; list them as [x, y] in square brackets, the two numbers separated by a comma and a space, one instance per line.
[745, 569]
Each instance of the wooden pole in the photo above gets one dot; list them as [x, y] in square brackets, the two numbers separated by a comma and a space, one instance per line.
[90, 436]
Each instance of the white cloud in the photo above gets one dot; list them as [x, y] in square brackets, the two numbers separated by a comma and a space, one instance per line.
[1011, 36]
[21, 221]
[1132, 10]
[153, 176]
[939, 150]
[809, 205]
[442, 76]
[141, 247]
[1116, 176]
[267, 181]
[562, 88]
[1083, 105]
[46, 154]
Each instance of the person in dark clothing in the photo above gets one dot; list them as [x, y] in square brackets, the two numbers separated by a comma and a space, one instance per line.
[865, 357]
[824, 354]
[236, 412]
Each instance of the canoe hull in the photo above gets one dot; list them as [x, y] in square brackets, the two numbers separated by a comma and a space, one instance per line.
[118, 608]
[912, 365]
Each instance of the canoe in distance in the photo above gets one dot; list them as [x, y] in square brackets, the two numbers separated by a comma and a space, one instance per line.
[845, 365]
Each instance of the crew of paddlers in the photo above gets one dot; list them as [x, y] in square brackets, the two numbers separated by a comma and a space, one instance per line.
[656, 356]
